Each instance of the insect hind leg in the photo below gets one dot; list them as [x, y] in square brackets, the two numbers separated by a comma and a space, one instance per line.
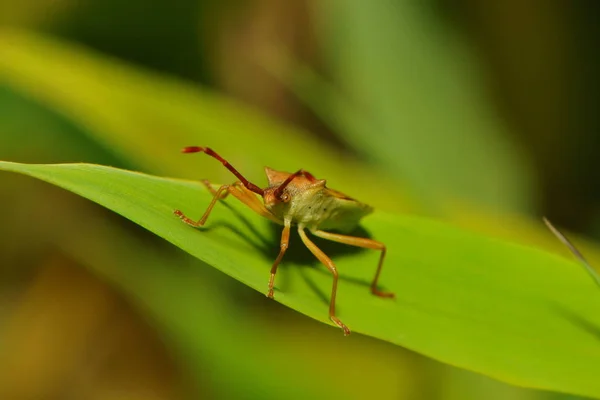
[364, 243]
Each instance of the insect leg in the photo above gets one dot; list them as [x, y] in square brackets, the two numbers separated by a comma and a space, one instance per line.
[249, 185]
[208, 185]
[331, 267]
[364, 243]
[249, 199]
[574, 250]
[238, 191]
[285, 241]
[217, 196]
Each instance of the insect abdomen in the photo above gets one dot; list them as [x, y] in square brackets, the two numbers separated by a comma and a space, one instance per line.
[341, 215]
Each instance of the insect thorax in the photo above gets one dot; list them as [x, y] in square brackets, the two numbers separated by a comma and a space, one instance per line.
[317, 208]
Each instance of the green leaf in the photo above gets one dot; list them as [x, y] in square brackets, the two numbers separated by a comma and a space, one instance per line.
[511, 312]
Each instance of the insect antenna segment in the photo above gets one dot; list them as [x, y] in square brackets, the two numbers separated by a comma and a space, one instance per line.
[249, 185]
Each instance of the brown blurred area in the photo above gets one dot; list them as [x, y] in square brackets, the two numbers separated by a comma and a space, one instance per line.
[69, 336]
[66, 333]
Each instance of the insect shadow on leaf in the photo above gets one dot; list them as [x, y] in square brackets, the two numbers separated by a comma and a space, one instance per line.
[264, 244]
[298, 256]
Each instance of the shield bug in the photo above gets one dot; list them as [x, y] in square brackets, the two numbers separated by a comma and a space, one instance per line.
[574, 250]
[298, 199]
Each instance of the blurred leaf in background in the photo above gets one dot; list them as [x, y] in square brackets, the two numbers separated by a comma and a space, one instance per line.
[413, 101]
[413, 80]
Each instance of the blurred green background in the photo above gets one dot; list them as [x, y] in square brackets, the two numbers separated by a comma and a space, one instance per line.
[479, 113]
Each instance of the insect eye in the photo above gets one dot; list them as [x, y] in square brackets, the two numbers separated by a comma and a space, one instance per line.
[285, 197]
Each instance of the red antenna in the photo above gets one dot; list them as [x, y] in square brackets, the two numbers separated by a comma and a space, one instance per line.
[249, 185]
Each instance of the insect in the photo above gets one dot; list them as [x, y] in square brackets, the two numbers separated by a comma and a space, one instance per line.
[574, 250]
[301, 200]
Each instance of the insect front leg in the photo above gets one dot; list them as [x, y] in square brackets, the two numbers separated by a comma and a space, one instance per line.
[218, 194]
[240, 192]
[211, 189]
[364, 243]
[285, 241]
[331, 267]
